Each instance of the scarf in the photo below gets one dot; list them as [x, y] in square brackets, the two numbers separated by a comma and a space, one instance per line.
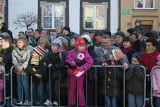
[127, 50]
[35, 61]
[150, 52]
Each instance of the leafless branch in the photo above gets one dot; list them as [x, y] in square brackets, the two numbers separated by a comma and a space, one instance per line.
[26, 19]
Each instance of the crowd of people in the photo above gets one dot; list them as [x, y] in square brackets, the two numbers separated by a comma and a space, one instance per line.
[44, 57]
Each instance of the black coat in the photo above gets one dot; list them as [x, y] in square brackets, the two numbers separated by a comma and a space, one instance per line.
[139, 45]
[139, 28]
[7, 58]
[91, 72]
[135, 79]
[41, 68]
[57, 62]
[112, 82]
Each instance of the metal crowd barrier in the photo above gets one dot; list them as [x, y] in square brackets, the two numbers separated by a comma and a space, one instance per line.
[2, 86]
[94, 82]
[153, 76]
[124, 84]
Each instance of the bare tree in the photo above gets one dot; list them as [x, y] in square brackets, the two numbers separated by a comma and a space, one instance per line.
[26, 19]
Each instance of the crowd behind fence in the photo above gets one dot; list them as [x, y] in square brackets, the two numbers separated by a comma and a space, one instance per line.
[93, 93]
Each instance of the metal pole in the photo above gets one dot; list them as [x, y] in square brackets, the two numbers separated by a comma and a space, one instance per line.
[31, 88]
[50, 97]
[11, 86]
[4, 89]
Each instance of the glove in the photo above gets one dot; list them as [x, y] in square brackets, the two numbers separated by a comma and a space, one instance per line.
[73, 63]
[113, 63]
[104, 64]
[125, 66]
[78, 71]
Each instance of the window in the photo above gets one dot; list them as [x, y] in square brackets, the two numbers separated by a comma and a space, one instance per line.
[1, 13]
[95, 16]
[53, 15]
[144, 4]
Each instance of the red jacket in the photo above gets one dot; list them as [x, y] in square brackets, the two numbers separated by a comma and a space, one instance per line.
[149, 60]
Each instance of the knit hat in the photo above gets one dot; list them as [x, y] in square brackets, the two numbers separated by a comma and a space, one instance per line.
[57, 42]
[117, 54]
[107, 32]
[67, 28]
[5, 35]
[75, 36]
[149, 34]
[130, 30]
[138, 20]
[87, 38]
[40, 51]
[120, 34]
[137, 55]
[155, 33]
[79, 41]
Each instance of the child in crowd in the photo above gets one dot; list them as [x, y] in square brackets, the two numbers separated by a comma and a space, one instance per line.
[79, 62]
[37, 68]
[135, 76]
[20, 59]
[55, 63]
[156, 83]
[112, 79]
[2, 72]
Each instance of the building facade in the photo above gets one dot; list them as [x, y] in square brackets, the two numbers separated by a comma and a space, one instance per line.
[80, 15]
[147, 10]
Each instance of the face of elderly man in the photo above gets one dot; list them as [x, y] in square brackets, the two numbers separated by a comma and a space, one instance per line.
[106, 42]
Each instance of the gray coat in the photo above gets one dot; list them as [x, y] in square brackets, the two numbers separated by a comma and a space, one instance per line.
[20, 58]
[135, 79]
[99, 52]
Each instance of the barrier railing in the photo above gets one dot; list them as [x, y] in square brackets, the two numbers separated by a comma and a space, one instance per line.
[2, 86]
[95, 81]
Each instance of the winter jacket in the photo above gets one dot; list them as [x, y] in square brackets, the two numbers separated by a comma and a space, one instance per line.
[41, 68]
[91, 72]
[135, 79]
[140, 28]
[138, 45]
[7, 58]
[33, 41]
[111, 80]
[57, 62]
[156, 82]
[86, 63]
[119, 45]
[20, 58]
[149, 60]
